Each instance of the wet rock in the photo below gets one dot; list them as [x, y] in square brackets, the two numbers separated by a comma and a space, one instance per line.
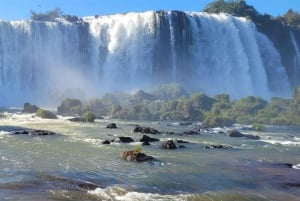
[111, 125]
[168, 145]
[135, 156]
[181, 141]
[146, 138]
[76, 119]
[139, 129]
[146, 144]
[67, 183]
[221, 146]
[33, 132]
[190, 132]
[28, 108]
[123, 139]
[236, 133]
[106, 142]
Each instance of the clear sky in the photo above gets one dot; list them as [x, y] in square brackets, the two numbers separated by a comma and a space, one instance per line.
[20, 9]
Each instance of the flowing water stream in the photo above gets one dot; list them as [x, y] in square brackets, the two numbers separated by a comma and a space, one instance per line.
[75, 165]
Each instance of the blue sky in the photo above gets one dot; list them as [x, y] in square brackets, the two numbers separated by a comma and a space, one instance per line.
[20, 9]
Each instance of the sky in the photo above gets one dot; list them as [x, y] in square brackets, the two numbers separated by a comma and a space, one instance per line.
[20, 9]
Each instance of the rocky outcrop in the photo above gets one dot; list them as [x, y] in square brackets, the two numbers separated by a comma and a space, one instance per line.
[135, 156]
[170, 144]
[33, 132]
[28, 108]
[111, 125]
[236, 133]
[123, 139]
[146, 138]
[148, 130]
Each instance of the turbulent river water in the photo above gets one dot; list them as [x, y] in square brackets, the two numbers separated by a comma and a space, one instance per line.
[75, 165]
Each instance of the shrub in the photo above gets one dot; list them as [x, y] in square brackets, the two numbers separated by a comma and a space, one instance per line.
[45, 114]
[89, 117]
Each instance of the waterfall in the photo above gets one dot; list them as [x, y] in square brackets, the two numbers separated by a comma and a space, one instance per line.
[212, 53]
[296, 58]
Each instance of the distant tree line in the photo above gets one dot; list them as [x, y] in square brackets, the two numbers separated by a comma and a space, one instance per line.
[172, 102]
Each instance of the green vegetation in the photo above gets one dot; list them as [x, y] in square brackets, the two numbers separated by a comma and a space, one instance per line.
[45, 114]
[214, 111]
[52, 16]
[89, 117]
[70, 106]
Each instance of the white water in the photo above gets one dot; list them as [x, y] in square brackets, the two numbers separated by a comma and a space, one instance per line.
[296, 57]
[44, 62]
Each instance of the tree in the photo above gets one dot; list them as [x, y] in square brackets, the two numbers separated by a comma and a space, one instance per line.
[292, 18]
[89, 117]
[49, 16]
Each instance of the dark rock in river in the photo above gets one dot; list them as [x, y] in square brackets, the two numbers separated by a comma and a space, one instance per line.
[123, 139]
[33, 132]
[221, 146]
[139, 129]
[106, 142]
[135, 156]
[146, 138]
[181, 141]
[190, 132]
[77, 119]
[111, 125]
[146, 144]
[68, 184]
[236, 133]
[168, 145]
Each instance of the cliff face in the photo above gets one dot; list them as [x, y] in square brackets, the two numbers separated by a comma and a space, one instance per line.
[212, 53]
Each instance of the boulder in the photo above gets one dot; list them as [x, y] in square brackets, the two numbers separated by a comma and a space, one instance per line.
[146, 144]
[146, 138]
[123, 139]
[168, 145]
[106, 142]
[190, 132]
[111, 125]
[28, 108]
[236, 133]
[139, 129]
[135, 156]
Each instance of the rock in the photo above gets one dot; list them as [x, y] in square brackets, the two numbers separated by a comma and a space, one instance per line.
[146, 144]
[139, 129]
[221, 146]
[181, 141]
[168, 145]
[146, 138]
[190, 132]
[135, 156]
[106, 142]
[123, 139]
[28, 108]
[33, 132]
[111, 125]
[68, 183]
[77, 119]
[236, 133]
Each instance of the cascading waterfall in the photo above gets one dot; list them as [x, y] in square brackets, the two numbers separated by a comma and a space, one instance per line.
[213, 53]
[296, 57]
